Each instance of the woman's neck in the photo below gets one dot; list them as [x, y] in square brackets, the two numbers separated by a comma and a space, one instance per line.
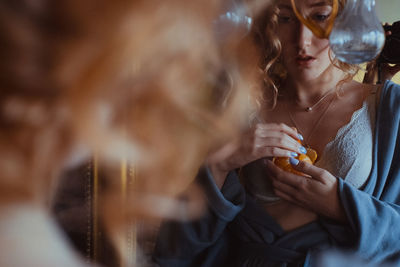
[306, 93]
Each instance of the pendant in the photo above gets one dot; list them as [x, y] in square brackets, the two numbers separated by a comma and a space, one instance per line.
[308, 109]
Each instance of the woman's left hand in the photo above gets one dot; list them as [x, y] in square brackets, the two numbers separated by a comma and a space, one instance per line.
[316, 192]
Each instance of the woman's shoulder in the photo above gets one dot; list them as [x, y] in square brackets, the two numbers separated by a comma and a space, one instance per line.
[363, 92]
[367, 89]
[380, 90]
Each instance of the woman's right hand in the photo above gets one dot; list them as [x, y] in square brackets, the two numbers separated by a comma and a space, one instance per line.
[261, 141]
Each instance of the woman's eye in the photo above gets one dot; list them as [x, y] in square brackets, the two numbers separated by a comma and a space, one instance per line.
[284, 19]
[320, 17]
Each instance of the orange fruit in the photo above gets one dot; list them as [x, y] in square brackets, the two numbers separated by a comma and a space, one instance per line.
[281, 161]
[312, 154]
[284, 163]
[305, 158]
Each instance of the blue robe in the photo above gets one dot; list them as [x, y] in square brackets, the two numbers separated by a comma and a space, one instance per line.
[236, 231]
[374, 212]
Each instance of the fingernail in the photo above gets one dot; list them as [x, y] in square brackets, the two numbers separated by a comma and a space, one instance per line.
[293, 154]
[303, 150]
[300, 137]
[294, 161]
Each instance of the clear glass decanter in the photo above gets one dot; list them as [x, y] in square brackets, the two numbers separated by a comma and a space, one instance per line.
[357, 35]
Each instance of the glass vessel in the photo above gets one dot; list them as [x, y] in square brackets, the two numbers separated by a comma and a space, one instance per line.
[234, 20]
[357, 35]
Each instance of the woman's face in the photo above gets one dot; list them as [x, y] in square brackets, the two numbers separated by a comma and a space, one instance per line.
[304, 55]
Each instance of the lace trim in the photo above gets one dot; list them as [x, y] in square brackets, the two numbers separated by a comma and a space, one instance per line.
[356, 139]
[342, 129]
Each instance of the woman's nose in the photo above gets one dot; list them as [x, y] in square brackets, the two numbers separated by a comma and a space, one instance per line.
[305, 36]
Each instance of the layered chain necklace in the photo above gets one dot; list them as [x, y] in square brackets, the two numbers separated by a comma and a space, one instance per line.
[316, 104]
[311, 108]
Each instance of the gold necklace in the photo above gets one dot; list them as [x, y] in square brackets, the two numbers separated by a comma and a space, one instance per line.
[316, 124]
[310, 108]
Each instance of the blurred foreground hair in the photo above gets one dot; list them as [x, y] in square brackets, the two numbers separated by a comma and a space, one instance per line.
[143, 82]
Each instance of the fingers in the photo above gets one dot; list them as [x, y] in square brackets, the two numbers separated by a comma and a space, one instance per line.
[285, 177]
[281, 140]
[270, 151]
[269, 140]
[283, 190]
[277, 140]
[316, 173]
[284, 196]
[308, 192]
[265, 128]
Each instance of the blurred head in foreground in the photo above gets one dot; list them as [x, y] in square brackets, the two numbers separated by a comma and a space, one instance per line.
[146, 82]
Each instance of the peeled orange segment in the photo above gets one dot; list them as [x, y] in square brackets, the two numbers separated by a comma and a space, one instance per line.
[304, 158]
[284, 163]
[312, 154]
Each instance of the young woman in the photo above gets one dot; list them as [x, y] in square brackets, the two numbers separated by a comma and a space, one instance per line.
[261, 215]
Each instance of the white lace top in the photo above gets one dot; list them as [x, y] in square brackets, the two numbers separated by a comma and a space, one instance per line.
[348, 156]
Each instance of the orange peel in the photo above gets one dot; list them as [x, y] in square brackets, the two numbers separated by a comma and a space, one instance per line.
[314, 27]
[284, 163]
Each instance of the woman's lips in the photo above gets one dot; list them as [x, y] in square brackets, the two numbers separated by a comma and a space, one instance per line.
[304, 60]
